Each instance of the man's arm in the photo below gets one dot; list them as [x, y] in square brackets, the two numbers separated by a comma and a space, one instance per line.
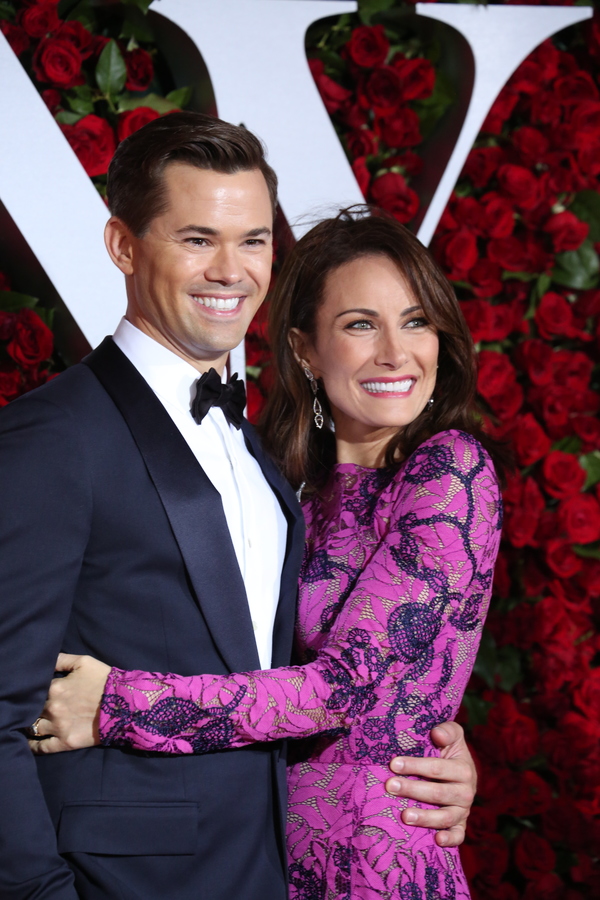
[44, 522]
[448, 781]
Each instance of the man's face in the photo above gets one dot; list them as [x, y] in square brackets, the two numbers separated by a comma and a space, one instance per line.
[199, 274]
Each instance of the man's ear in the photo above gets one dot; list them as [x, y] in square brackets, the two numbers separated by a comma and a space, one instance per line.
[119, 243]
[302, 349]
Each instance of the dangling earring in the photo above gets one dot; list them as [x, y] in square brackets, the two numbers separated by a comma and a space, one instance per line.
[317, 408]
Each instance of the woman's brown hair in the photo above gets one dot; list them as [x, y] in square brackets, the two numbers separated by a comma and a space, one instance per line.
[307, 454]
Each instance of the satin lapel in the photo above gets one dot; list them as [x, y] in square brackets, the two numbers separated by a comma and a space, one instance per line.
[283, 629]
[191, 502]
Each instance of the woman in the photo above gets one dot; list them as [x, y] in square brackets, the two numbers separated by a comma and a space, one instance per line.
[372, 411]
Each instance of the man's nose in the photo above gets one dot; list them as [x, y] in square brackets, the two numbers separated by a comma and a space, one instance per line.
[225, 266]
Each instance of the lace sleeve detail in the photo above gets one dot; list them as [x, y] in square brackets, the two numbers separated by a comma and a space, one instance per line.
[414, 616]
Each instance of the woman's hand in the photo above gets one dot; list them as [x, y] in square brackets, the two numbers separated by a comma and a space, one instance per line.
[69, 720]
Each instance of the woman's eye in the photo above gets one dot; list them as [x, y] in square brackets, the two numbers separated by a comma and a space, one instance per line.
[417, 322]
[360, 325]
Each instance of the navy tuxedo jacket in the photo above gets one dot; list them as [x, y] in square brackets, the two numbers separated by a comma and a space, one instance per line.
[113, 542]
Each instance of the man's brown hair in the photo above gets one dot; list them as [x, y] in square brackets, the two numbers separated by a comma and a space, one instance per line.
[136, 190]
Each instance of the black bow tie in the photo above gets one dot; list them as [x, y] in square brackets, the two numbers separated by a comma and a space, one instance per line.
[210, 391]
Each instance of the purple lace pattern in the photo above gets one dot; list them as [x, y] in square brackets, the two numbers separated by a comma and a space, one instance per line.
[394, 589]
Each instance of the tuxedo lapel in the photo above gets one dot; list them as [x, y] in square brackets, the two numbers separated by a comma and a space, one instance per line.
[192, 503]
[283, 628]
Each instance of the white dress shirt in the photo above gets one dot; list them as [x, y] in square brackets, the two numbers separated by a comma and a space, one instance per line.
[256, 523]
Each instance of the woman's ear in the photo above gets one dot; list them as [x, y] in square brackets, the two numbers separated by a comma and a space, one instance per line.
[301, 347]
[119, 243]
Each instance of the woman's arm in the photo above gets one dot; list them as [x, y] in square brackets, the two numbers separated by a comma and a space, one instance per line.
[423, 590]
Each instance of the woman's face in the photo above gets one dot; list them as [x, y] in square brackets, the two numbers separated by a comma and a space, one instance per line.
[375, 353]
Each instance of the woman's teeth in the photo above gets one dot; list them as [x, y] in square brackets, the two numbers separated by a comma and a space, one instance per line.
[218, 302]
[388, 387]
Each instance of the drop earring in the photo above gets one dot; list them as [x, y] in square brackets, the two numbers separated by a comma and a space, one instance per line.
[317, 408]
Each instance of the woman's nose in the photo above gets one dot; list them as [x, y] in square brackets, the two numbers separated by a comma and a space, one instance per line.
[391, 351]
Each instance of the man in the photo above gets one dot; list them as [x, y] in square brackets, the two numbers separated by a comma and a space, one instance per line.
[152, 539]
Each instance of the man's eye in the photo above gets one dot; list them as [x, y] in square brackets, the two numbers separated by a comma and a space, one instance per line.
[197, 241]
[255, 242]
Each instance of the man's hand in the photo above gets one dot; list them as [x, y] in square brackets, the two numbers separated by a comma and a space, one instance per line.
[69, 720]
[448, 781]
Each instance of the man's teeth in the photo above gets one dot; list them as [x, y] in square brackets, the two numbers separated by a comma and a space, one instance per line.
[218, 302]
[387, 387]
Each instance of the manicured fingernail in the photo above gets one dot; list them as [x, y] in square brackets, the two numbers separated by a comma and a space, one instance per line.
[410, 817]
[394, 785]
[397, 764]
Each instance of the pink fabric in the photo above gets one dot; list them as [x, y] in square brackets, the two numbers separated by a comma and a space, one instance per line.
[394, 589]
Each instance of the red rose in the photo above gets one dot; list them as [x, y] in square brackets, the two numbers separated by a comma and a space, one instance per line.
[554, 317]
[500, 111]
[484, 278]
[533, 855]
[362, 174]
[531, 144]
[580, 518]
[478, 316]
[585, 122]
[401, 129]
[457, 252]
[391, 192]
[566, 231]
[528, 78]
[417, 76]
[519, 185]
[362, 142]
[332, 93]
[556, 404]
[547, 57]
[467, 211]
[93, 141]
[255, 401]
[561, 559]
[58, 62]
[497, 384]
[537, 359]
[588, 429]
[32, 341]
[562, 476]
[498, 218]
[140, 69]
[573, 370]
[409, 162]
[573, 88]
[15, 35]
[382, 90]
[482, 163]
[79, 36]
[546, 109]
[588, 304]
[10, 384]
[530, 441]
[517, 255]
[8, 321]
[133, 119]
[368, 46]
[353, 115]
[39, 20]
[52, 98]
[522, 518]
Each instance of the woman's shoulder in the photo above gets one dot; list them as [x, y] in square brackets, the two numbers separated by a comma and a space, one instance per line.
[445, 453]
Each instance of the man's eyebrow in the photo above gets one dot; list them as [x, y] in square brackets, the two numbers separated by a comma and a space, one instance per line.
[371, 312]
[205, 231]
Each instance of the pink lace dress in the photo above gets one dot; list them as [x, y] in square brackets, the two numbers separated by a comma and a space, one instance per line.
[394, 588]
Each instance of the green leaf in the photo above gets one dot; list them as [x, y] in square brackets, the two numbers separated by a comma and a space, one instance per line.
[591, 463]
[136, 25]
[46, 315]
[253, 371]
[368, 8]
[509, 667]
[11, 301]
[141, 4]
[577, 268]
[568, 444]
[477, 709]
[6, 10]
[587, 551]
[180, 97]
[487, 658]
[111, 71]
[82, 11]
[154, 101]
[586, 206]
[81, 105]
[68, 118]
[518, 276]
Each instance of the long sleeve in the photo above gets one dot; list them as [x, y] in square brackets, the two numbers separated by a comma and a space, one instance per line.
[408, 631]
[45, 503]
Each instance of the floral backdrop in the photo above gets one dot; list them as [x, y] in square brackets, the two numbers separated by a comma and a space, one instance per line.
[520, 240]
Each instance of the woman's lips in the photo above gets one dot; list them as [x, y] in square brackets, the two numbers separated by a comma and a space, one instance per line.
[399, 386]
